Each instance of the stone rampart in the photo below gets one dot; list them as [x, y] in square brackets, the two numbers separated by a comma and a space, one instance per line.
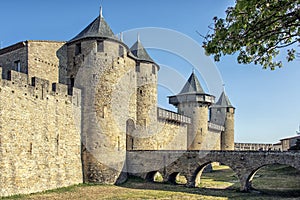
[39, 135]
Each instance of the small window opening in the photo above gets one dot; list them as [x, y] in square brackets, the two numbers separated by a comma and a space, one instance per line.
[104, 111]
[100, 46]
[57, 144]
[30, 148]
[153, 69]
[118, 143]
[78, 49]
[121, 51]
[132, 143]
[72, 80]
[18, 65]
[137, 68]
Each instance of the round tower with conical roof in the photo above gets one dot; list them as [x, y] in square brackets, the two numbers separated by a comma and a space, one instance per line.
[193, 102]
[100, 65]
[146, 72]
[222, 113]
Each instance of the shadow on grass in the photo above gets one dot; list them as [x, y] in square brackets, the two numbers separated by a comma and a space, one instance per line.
[230, 192]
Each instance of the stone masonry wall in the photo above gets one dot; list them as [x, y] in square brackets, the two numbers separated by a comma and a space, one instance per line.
[214, 140]
[227, 136]
[45, 59]
[146, 95]
[108, 81]
[191, 163]
[9, 57]
[164, 135]
[198, 129]
[39, 136]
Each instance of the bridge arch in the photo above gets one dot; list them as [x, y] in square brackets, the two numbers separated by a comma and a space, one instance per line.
[172, 177]
[177, 178]
[152, 176]
[252, 174]
[196, 175]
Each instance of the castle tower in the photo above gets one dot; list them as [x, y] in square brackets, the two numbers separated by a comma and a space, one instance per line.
[139, 136]
[99, 65]
[146, 71]
[222, 113]
[193, 102]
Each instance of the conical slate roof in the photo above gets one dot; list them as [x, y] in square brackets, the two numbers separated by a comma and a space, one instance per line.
[192, 85]
[224, 101]
[140, 52]
[98, 28]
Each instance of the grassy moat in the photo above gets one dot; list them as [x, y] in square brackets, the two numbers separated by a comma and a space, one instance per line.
[270, 182]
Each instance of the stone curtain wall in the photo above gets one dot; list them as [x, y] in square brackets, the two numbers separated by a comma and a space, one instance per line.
[39, 136]
[164, 135]
[213, 140]
[44, 59]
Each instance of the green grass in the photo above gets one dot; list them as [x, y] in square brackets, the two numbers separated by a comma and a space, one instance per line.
[219, 184]
[221, 177]
[278, 179]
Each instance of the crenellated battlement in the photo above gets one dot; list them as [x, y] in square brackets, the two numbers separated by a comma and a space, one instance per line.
[40, 88]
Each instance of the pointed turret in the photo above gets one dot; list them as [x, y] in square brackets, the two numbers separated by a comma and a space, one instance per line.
[146, 72]
[193, 102]
[192, 85]
[192, 92]
[222, 113]
[218, 110]
[98, 28]
[140, 52]
[223, 101]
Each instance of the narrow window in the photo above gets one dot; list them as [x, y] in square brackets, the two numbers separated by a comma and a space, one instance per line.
[118, 143]
[72, 81]
[78, 49]
[57, 143]
[30, 148]
[153, 69]
[104, 111]
[121, 51]
[43, 88]
[18, 65]
[132, 143]
[137, 68]
[100, 46]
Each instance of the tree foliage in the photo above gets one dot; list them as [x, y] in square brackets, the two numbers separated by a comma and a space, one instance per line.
[258, 30]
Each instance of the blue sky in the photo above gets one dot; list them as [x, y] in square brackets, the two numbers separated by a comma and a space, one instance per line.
[267, 102]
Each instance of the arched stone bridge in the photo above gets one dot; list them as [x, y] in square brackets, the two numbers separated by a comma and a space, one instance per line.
[245, 164]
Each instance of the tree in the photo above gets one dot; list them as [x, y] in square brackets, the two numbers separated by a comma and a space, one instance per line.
[258, 30]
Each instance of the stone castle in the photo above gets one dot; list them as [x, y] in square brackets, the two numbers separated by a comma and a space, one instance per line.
[71, 110]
